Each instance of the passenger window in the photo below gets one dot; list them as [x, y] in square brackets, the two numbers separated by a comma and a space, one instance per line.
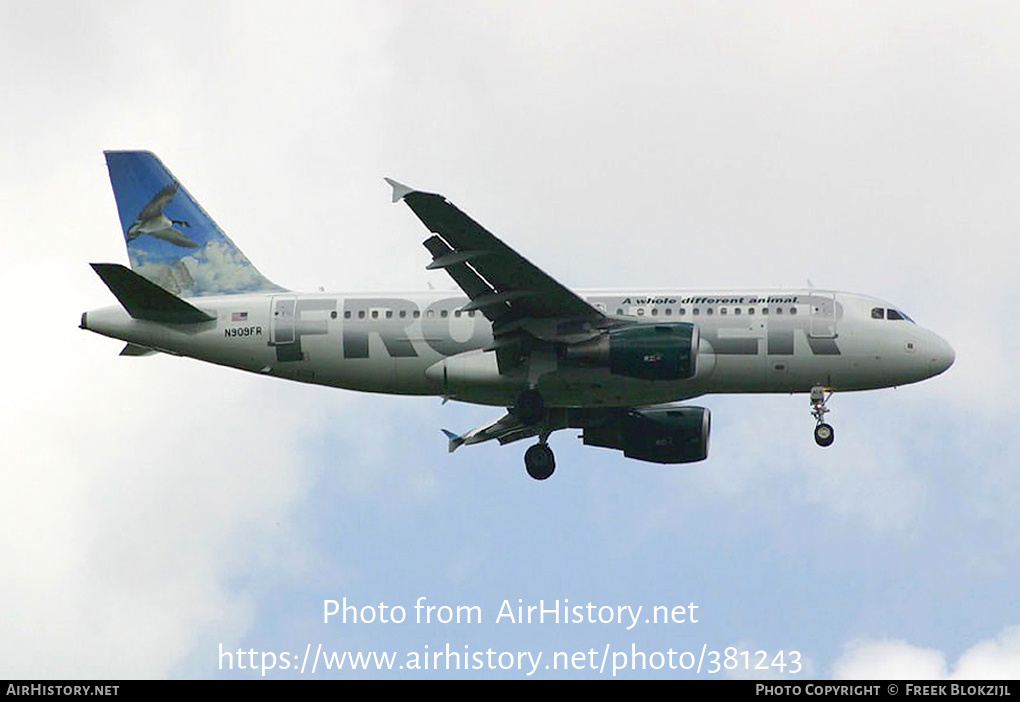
[403, 313]
[655, 311]
[722, 310]
[375, 314]
[389, 314]
[765, 310]
[347, 314]
[682, 311]
[669, 311]
[793, 310]
[779, 310]
[736, 310]
[444, 314]
[696, 311]
[457, 313]
[619, 311]
[416, 314]
[750, 310]
[641, 312]
[877, 313]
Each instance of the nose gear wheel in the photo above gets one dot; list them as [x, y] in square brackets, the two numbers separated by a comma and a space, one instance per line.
[824, 433]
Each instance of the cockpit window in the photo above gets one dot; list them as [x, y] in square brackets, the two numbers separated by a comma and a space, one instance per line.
[896, 314]
[883, 313]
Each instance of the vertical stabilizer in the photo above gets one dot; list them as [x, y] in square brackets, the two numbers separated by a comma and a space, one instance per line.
[171, 240]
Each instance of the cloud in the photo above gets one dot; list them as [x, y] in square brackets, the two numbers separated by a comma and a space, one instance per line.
[992, 659]
[140, 498]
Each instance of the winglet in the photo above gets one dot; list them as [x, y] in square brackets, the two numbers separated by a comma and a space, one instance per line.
[455, 440]
[399, 189]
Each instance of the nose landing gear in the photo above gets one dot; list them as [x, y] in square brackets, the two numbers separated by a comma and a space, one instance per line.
[824, 433]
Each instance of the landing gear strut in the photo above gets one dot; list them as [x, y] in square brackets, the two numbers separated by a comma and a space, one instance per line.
[530, 407]
[824, 433]
[530, 410]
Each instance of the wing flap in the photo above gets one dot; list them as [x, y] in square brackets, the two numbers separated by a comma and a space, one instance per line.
[463, 275]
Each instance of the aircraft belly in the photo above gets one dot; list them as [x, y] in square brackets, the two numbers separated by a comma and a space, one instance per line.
[738, 373]
[614, 391]
[576, 387]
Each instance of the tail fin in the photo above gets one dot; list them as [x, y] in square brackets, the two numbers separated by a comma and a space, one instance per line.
[171, 240]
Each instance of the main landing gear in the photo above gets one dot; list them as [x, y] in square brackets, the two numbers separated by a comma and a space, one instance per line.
[824, 433]
[529, 407]
[540, 461]
[530, 410]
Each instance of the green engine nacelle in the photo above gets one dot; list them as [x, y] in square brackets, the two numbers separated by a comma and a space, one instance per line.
[668, 434]
[666, 351]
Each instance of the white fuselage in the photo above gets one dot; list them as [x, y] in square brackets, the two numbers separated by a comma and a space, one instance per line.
[422, 344]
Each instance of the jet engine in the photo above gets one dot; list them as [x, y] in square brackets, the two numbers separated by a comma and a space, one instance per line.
[669, 434]
[666, 351]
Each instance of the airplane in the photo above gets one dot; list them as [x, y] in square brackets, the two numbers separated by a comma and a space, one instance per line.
[618, 365]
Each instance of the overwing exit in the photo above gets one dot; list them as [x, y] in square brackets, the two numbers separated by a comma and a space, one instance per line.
[619, 366]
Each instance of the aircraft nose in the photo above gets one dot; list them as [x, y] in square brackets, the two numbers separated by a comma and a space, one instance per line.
[941, 356]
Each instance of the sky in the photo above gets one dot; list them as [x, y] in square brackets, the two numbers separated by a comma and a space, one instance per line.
[162, 518]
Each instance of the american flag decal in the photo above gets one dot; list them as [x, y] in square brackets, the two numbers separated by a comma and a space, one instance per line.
[238, 316]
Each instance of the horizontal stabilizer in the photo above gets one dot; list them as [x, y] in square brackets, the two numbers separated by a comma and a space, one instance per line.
[145, 300]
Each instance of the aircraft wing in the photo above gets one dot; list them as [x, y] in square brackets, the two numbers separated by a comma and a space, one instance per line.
[500, 283]
[505, 430]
